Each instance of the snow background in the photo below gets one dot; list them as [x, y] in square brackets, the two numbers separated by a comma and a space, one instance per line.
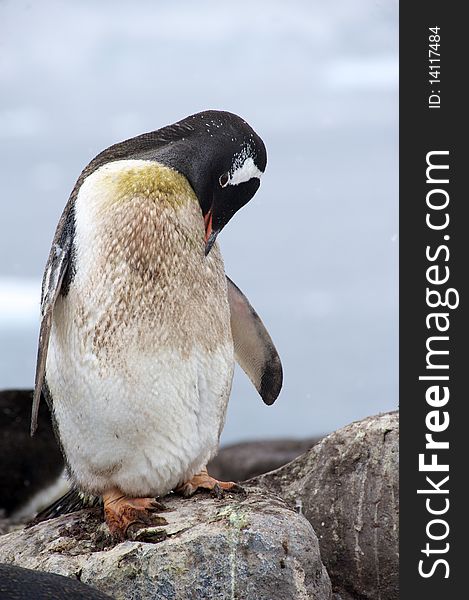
[315, 251]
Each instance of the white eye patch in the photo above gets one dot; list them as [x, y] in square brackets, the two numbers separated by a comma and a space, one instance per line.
[246, 171]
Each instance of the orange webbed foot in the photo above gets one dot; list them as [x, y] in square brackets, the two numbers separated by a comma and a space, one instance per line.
[124, 515]
[204, 481]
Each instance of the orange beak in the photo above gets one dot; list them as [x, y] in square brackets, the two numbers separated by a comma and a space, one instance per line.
[210, 234]
[208, 225]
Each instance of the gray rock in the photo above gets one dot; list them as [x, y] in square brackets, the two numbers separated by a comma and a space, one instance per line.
[244, 460]
[248, 547]
[347, 486]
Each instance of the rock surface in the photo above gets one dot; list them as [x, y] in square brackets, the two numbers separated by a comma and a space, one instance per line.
[347, 486]
[242, 461]
[245, 547]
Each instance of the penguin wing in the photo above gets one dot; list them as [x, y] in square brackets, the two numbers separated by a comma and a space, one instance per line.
[254, 350]
[56, 268]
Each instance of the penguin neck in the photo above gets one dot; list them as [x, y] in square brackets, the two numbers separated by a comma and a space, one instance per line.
[141, 268]
[142, 216]
[193, 160]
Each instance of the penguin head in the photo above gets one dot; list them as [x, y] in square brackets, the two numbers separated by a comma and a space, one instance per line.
[223, 159]
[220, 155]
[235, 178]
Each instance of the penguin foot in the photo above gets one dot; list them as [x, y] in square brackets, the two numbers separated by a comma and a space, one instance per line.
[124, 516]
[202, 480]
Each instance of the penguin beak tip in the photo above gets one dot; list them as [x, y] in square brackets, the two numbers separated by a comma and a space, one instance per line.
[209, 241]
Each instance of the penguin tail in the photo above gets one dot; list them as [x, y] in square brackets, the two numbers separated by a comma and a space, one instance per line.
[72, 501]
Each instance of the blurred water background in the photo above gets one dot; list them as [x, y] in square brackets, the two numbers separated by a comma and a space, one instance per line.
[315, 251]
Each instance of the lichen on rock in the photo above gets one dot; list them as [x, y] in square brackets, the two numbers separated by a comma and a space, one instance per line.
[244, 547]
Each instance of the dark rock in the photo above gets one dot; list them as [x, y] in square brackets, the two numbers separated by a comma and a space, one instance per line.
[28, 464]
[17, 583]
[347, 486]
[242, 461]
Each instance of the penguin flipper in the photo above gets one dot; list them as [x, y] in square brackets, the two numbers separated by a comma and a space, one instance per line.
[254, 349]
[57, 265]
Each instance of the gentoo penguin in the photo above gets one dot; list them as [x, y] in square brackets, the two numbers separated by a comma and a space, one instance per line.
[140, 326]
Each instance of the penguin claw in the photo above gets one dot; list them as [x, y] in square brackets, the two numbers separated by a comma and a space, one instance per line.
[124, 516]
[237, 489]
[203, 481]
[217, 492]
[156, 506]
[152, 535]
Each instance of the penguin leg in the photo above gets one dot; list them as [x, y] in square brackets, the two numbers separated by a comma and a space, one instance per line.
[203, 480]
[125, 515]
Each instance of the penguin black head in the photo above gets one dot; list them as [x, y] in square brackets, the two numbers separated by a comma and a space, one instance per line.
[222, 157]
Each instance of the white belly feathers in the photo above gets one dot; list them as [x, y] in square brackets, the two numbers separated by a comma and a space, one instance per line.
[140, 359]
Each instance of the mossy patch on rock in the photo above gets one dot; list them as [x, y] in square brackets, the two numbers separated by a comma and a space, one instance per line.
[214, 548]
